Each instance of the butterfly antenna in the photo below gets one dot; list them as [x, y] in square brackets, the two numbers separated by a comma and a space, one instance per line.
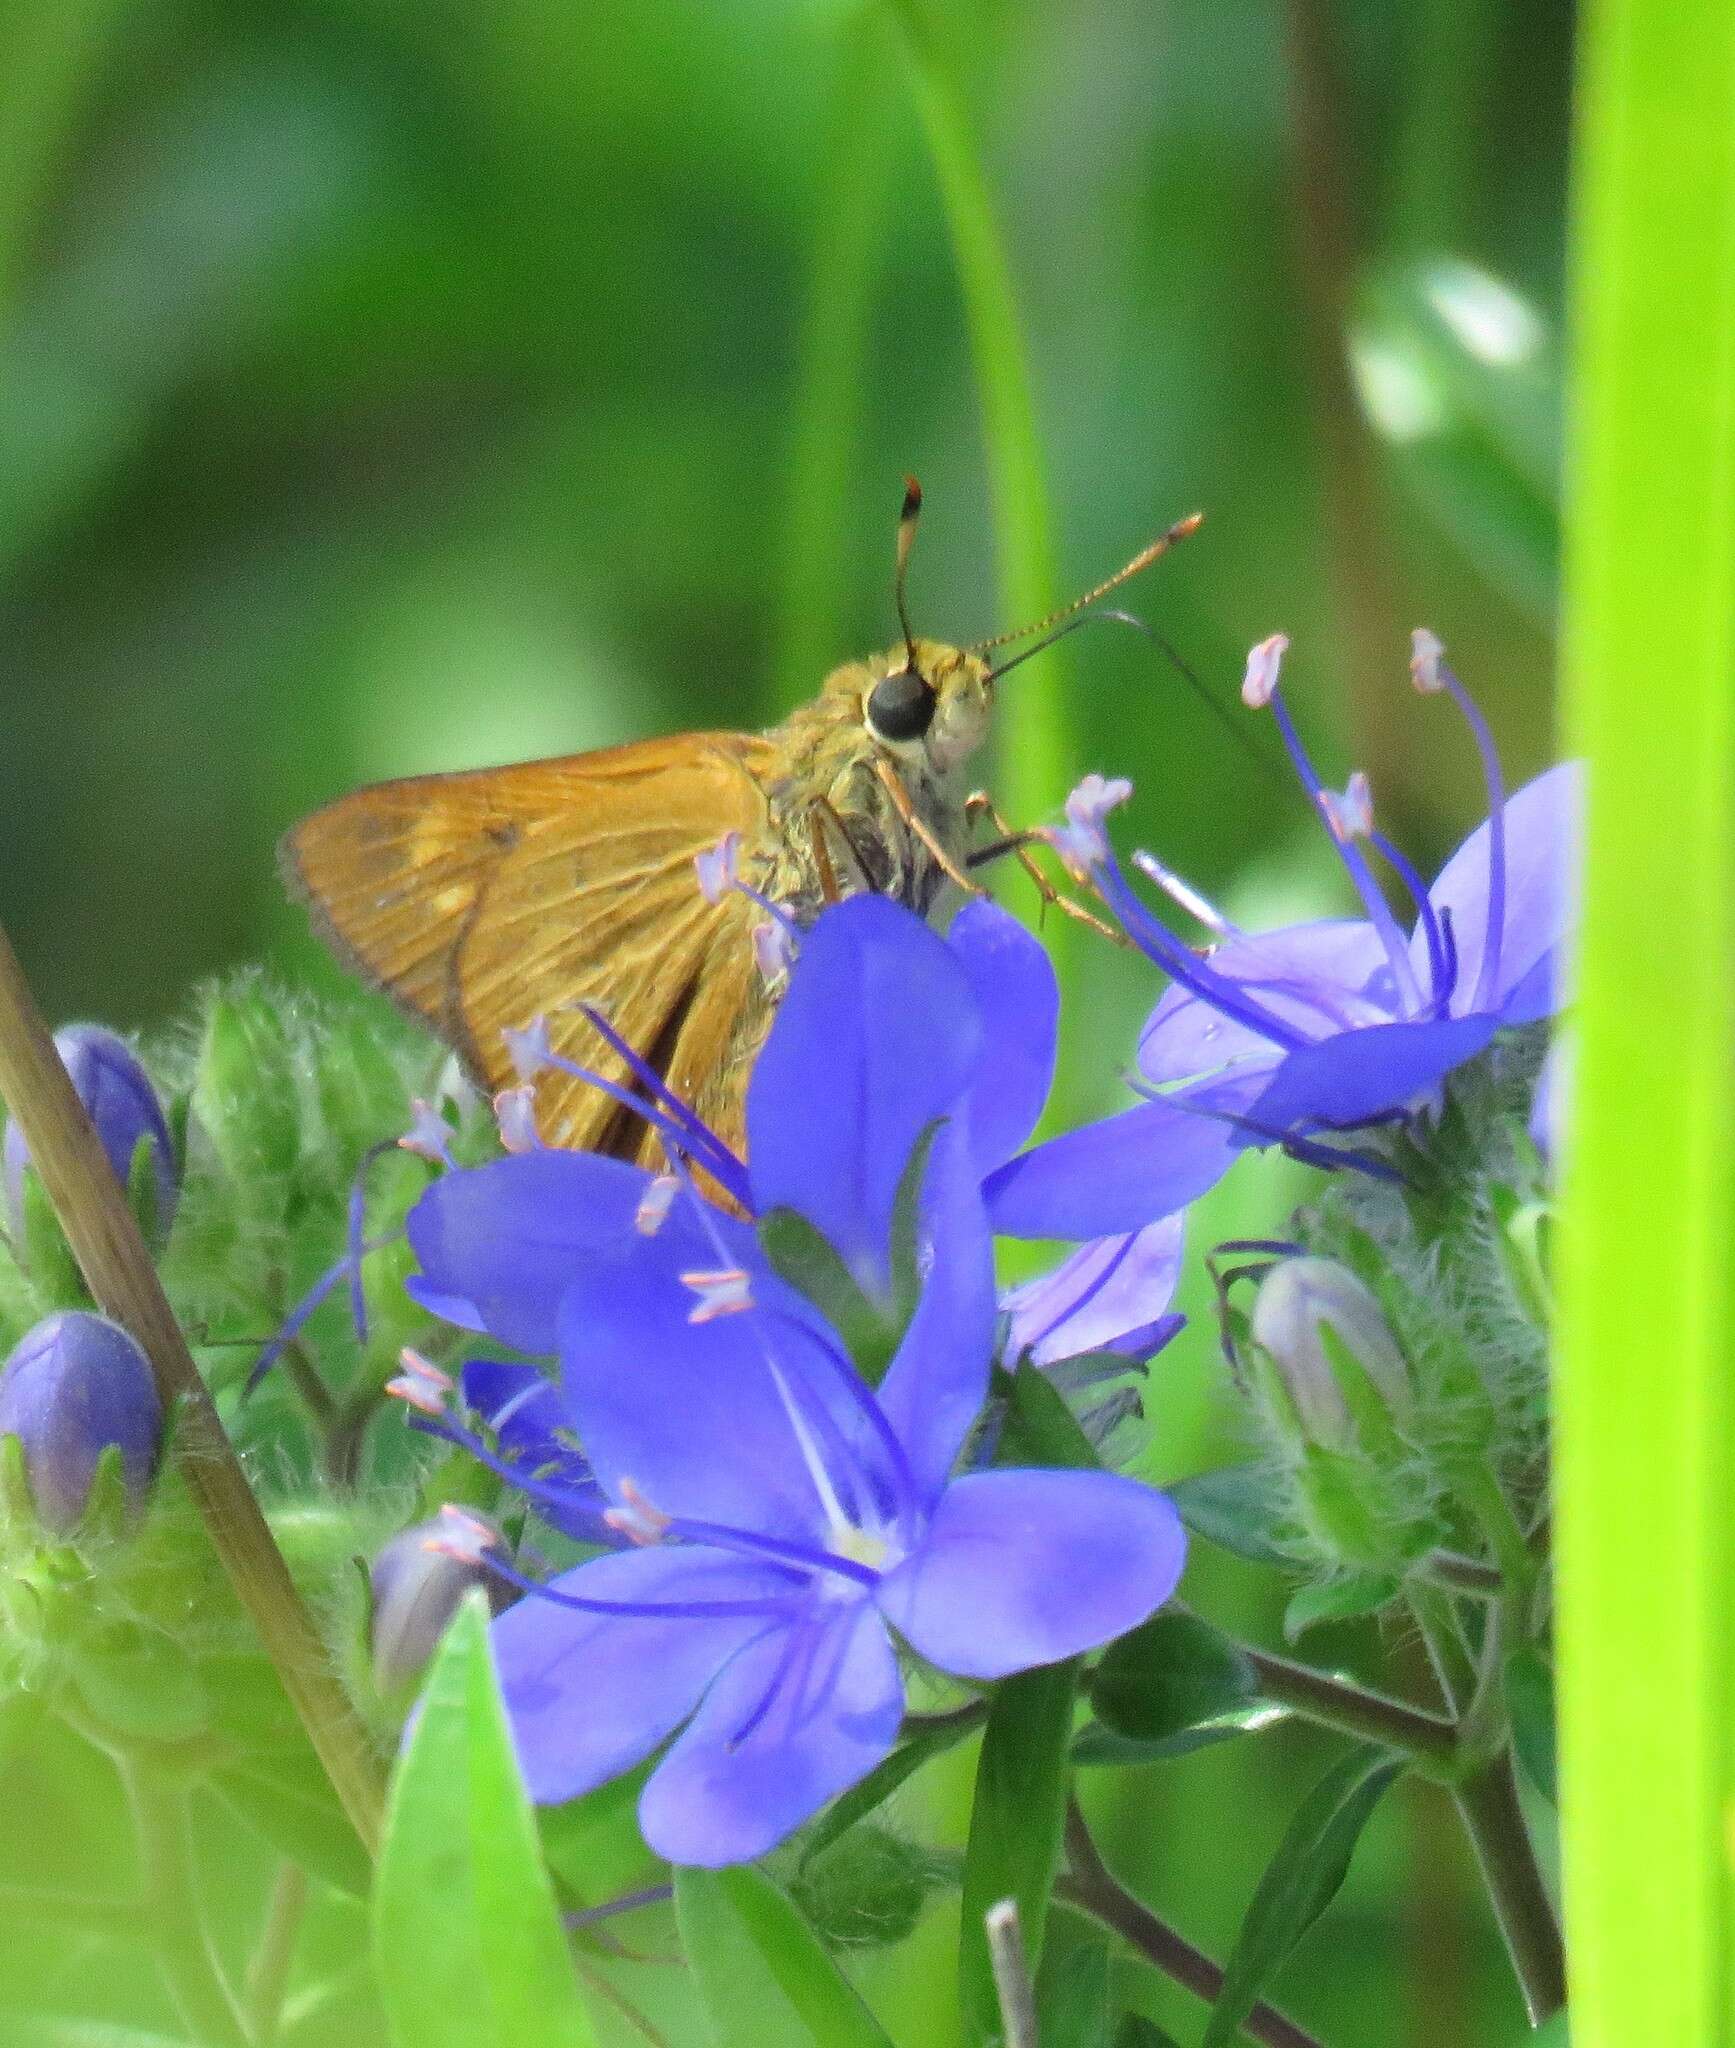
[908, 519]
[1142, 560]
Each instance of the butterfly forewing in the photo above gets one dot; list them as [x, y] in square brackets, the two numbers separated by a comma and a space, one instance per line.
[477, 900]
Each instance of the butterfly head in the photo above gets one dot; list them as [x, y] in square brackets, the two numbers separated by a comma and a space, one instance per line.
[926, 702]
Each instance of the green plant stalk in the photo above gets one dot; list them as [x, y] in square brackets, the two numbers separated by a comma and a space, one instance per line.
[848, 227]
[1040, 763]
[170, 1880]
[1646, 1387]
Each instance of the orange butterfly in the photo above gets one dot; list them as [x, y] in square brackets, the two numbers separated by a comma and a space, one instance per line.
[482, 900]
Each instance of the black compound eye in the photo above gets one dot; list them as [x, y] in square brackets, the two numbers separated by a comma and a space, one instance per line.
[901, 707]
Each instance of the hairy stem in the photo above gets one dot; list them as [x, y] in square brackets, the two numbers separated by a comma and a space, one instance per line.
[1488, 1805]
[105, 1239]
[1094, 1889]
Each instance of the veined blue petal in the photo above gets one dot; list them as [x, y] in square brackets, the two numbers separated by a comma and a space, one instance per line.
[1543, 823]
[1019, 999]
[935, 1386]
[797, 1717]
[589, 1695]
[1023, 1568]
[1361, 1075]
[878, 1036]
[506, 1239]
[1110, 1177]
[1102, 1297]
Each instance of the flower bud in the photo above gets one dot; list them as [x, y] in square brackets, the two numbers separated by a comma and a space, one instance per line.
[417, 1588]
[245, 1092]
[119, 1099]
[76, 1385]
[1332, 1349]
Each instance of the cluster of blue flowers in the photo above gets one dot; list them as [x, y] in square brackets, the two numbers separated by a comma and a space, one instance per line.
[770, 1375]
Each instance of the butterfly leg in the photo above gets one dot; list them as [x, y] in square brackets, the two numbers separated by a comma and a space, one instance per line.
[906, 811]
[822, 813]
[981, 805]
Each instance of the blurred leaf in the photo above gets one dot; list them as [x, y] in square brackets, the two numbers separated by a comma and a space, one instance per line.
[1234, 1507]
[762, 1975]
[1301, 1880]
[1170, 1674]
[1015, 1826]
[57, 2030]
[1135, 2031]
[139, 1682]
[1345, 1599]
[1072, 1997]
[1530, 1703]
[287, 1799]
[1040, 1429]
[468, 1948]
[1461, 377]
[799, 1254]
[879, 1785]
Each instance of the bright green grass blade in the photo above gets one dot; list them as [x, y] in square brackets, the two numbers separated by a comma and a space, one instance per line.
[1647, 1599]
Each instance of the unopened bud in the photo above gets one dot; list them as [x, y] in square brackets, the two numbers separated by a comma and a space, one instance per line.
[77, 1387]
[1332, 1349]
[121, 1102]
[419, 1581]
[245, 1094]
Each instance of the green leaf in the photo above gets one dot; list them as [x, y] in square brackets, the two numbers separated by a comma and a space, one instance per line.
[1040, 1429]
[1301, 1880]
[1172, 1673]
[139, 1682]
[1095, 1746]
[1341, 1599]
[468, 1948]
[1530, 1704]
[1072, 1997]
[799, 1254]
[1135, 2031]
[763, 1977]
[1236, 1508]
[906, 1227]
[879, 1785]
[1015, 1826]
[286, 1798]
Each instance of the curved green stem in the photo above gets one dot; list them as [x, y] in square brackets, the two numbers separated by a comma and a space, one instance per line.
[1430, 1742]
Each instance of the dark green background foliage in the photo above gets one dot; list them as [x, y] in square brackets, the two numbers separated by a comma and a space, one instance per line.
[386, 389]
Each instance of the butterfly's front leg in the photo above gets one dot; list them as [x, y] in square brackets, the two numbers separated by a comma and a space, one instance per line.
[979, 804]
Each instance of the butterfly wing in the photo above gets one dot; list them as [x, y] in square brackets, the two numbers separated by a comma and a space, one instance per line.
[481, 900]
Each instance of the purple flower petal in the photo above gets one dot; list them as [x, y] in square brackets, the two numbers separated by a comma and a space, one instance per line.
[878, 1036]
[693, 1415]
[797, 1717]
[1106, 1294]
[1318, 977]
[504, 1240]
[534, 1433]
[1110, 1177]
[1543, 830]
[1019, 1000]
[1363, 1074]
[935, 1386]
[588, 1695]
[1025, 1568]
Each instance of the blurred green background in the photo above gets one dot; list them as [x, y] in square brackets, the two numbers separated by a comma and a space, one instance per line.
[389, 388]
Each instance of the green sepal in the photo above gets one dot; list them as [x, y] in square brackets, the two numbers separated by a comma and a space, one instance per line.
[1038, 1427]
[244, 1091]
[1240, 1509]
[867, 1889]
[108, 1512]
[45, 1253]
[1347, 1598]
[798, 1253]
[15, 1501]
[1170, 1674]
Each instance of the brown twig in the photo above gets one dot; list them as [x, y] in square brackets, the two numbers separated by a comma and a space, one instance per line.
[1094, 1889]
[105, 1240]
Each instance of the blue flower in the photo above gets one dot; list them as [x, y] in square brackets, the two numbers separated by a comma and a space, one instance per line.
[790, 1525]
[120, 1101]
[887, 1032]
[1332, 1025]
[74, 1386]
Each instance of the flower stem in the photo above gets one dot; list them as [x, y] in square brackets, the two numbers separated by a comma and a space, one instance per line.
[1094, 1889]
[117, 1268]
[1488, 1805]
[1427, 1739]
[170, 1880]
